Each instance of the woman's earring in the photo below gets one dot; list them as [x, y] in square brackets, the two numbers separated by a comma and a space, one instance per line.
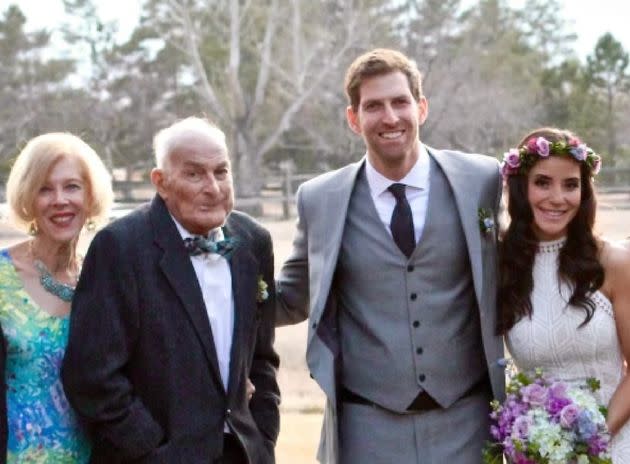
[90, 225]
[32, 229]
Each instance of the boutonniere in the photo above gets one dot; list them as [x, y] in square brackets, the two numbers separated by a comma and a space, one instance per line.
[262, 293]
[486, 220]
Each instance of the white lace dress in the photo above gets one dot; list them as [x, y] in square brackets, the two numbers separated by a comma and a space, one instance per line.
[552, 340]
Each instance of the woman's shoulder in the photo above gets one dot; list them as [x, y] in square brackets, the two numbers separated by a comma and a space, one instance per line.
[614, 254]
[615, 259]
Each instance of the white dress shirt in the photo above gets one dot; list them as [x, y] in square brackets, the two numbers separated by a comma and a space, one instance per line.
[417, 192]
[215, 281]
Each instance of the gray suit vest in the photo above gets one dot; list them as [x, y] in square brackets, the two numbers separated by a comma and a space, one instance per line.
[407, 324]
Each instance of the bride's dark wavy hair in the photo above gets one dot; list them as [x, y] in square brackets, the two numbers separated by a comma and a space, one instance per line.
[579, 264]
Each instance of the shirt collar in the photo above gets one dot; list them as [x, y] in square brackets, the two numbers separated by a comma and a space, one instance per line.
[215, 234]
[417, 177]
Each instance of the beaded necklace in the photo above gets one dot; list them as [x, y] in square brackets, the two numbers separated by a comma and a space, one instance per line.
[63, 291]
[52, 285]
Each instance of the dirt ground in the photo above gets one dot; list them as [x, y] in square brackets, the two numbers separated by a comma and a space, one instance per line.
[302, 400]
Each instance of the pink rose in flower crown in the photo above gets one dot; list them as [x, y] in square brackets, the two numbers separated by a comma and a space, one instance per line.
[535, 394]
[512, 158]
[574, 142]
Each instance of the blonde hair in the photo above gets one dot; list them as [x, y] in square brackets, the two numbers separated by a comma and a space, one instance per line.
[33, 165]
[169, 139]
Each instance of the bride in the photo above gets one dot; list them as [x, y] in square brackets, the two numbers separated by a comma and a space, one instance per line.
[564, 294]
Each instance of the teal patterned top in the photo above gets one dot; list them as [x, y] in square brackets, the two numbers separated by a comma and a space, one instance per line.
[42, 427]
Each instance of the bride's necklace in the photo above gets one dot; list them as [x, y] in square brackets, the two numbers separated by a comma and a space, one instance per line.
[52, 285]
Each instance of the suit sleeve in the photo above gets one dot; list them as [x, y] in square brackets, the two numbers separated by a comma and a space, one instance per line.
[264, 405]
[103, 329]
[292, 302]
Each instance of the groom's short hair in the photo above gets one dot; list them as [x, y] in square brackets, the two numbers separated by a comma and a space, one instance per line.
[378, 62]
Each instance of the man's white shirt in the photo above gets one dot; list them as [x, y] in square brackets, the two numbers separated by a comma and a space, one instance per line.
[417, 192]
[215, 280]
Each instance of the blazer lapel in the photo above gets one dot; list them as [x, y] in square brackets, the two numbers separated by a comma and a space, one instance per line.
[466, 195]
[337, 199]
[243, 268]
[177, 268]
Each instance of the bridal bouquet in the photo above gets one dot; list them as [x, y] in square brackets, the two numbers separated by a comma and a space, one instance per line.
[551, 422]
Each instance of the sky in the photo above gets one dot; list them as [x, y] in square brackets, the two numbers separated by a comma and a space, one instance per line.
[590, 19]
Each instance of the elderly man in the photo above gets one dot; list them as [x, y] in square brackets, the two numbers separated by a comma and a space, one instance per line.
[173, 314]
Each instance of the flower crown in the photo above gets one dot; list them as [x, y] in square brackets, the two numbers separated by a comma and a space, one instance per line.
[519, 160]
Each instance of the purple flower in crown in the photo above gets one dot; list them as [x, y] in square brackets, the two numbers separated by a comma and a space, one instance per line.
[579, 152]
[543, 146]
[512, 158]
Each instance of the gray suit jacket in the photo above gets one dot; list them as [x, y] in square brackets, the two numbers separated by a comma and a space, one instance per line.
[304, 283]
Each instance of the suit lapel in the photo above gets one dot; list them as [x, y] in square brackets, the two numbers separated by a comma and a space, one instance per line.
[176, 266]
[337, 199]
[243, 267]
[466, 195]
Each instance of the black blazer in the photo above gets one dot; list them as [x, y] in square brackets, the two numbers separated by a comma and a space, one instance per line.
[141, 367]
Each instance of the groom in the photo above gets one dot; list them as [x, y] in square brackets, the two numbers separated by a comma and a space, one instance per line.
[394, 267]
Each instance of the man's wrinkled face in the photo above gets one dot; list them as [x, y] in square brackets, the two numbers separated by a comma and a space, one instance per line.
[196, 184]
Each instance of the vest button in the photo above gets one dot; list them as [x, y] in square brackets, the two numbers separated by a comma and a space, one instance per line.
[422, 377]
[416, 324]
[410, 268]
[228, 413]
[314, 325]
[413, 296]
[419, 350]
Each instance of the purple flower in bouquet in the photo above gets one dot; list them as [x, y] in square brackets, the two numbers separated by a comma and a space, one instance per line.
[521, 459]
[586, 427]
[598, 444]
[558, 389]
[521, 426]
[535, 394]
[569, 415]
[543, 421]
[556, 405]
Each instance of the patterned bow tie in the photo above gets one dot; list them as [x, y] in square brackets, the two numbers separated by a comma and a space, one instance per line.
[199, 245]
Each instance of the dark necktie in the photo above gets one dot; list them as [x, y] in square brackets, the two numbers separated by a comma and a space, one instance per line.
[198, 245]
[401, 224]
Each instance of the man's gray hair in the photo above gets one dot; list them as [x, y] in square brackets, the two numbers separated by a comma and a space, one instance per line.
[172, 137]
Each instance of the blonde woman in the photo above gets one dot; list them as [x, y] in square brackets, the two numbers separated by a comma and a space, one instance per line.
[57, 185]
